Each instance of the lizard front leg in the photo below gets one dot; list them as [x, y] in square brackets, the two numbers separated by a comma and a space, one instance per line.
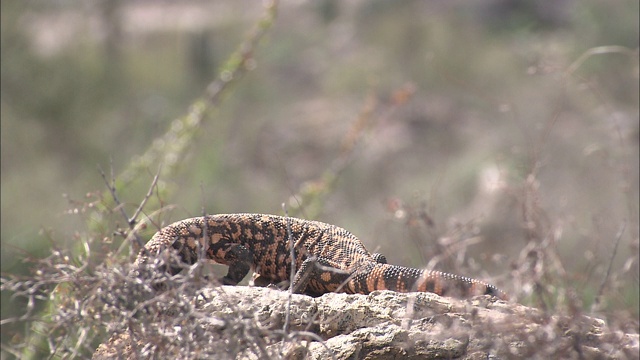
[239, 260]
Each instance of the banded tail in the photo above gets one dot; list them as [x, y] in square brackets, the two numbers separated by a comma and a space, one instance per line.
[406, 279]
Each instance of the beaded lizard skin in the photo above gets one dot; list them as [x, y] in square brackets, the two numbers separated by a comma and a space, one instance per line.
[328, 258]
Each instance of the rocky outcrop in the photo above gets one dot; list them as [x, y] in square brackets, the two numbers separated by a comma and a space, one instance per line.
[261, 323]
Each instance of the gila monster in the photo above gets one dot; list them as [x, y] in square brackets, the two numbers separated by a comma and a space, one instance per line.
[328, 258]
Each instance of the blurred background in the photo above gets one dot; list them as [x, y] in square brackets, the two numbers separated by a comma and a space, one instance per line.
[443, 134]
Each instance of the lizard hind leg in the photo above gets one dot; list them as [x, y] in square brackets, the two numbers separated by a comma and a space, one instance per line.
[303, 275]
[379, 258]
[318, 276]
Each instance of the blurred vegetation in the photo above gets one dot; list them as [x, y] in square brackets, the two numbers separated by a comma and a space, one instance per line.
[418, 126]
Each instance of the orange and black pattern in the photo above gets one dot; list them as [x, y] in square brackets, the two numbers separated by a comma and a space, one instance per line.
[328, 258]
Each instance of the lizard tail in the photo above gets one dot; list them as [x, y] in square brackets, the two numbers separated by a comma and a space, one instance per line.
[406, 279]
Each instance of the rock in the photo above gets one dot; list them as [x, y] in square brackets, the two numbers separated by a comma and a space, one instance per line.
[230, 322]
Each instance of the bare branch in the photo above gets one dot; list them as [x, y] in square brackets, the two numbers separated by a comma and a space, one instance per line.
[132, 220]
[112, 189]
[605, 280]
